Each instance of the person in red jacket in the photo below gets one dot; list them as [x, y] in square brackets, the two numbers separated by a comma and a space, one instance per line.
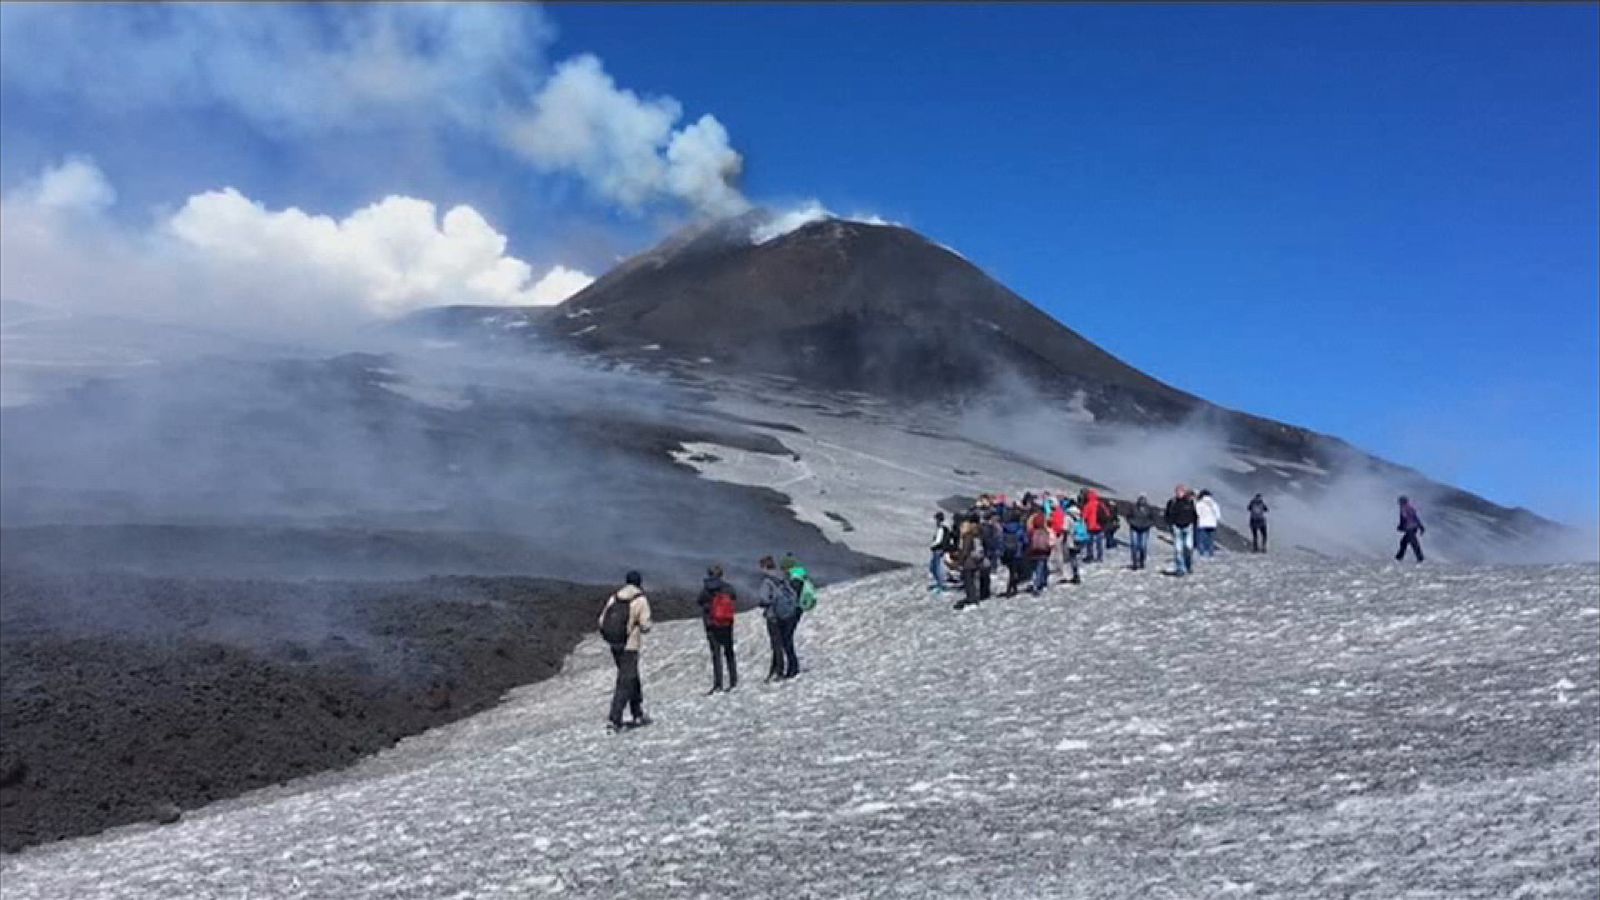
[1094, 520]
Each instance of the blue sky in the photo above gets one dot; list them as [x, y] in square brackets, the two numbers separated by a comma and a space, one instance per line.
[1380, 222]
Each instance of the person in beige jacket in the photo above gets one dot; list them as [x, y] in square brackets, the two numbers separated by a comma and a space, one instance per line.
[629, 691]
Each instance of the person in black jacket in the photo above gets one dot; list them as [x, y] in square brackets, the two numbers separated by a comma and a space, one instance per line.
[719, 635]
[1141, 518]
[1258, 524]
[1181, 516]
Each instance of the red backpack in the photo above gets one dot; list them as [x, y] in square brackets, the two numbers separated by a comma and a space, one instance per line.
[722, 609]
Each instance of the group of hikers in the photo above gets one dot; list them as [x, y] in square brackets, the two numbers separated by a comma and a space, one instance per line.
[1037, 534]
[786, 595]
[1045, 532]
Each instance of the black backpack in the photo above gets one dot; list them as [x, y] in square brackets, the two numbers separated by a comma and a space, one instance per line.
[614, 624]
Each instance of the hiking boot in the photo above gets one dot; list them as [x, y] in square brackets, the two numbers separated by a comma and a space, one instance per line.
[640, 722]
[715, 690]
[613, 727]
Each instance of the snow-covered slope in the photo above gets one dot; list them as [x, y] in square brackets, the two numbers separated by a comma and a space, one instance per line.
[1272, 727]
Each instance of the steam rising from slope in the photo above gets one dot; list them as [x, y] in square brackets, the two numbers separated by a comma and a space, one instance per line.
[1341, 506]
[295, 72]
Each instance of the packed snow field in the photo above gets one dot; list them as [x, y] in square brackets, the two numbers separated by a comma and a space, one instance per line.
[1270, 727]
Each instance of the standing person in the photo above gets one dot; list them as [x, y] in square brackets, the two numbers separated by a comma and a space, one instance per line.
[781, 608]
[1013, 550]
[1141, 518]
[1181, 517]
[1094, 521]
[1040, 543]
[1410, 529]
[1258, 524]
[989, 533]
[970, 560]
[937, 548]
[1071, 546]
[718, 603]
[623, 622]
[1113, 521]
[1208, 515]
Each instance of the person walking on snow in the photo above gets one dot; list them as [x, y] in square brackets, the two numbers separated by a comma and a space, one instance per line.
[1094, 521]
[971, 563]
[1208, 515]
[938, 546]
[1111, 517]
[989, 534]
[1410, 529]
[1181, 517]
[781, 608]
[718, 603]
[1258, 524]
[623, 623]
[1141, 518]
[1040, 543]
[1013, 551]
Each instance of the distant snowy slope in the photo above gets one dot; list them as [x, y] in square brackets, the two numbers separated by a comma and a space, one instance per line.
[1279, 727]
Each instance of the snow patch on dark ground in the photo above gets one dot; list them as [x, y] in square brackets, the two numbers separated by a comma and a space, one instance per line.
[1271, 727]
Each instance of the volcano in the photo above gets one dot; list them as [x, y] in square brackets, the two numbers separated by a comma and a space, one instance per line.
[851, 305]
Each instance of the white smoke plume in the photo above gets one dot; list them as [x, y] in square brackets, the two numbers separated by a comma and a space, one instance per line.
[624, 145]
[803, 214]
[222, 259]
[295, 71]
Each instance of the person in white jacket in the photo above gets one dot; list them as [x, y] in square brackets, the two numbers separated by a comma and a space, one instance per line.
[1208, 515]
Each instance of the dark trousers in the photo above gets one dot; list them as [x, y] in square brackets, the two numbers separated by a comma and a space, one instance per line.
[775, 640]
[1111, 538]
[985, 582]
[970, 579]
[785, 662]
[1258, 535]
[629, 691]
[1016, 573]
[1409, 539]
[721, 640]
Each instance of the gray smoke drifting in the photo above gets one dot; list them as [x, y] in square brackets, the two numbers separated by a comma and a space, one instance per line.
[1340, 503]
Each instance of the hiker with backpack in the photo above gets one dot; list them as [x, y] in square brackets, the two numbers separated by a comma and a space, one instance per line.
[971, 562]
[1181, 517]
[1093, 520]
[938, 546]
[781, 609]
[1141, 518]
[805, 595]
[1013, 550]
[623, 622]
[1258, 524]
[718, 605]
[1072, 539]
[989, 534]
[1040, 542]
[1410, 529]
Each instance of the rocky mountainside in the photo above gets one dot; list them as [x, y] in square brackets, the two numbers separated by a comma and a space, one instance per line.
[854, 308]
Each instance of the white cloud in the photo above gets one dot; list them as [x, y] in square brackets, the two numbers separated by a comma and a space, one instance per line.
[77, 185]
[465, 71]
[624, 145]
[224, 259]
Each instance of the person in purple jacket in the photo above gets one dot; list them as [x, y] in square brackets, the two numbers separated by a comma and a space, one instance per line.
[1410, 529]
